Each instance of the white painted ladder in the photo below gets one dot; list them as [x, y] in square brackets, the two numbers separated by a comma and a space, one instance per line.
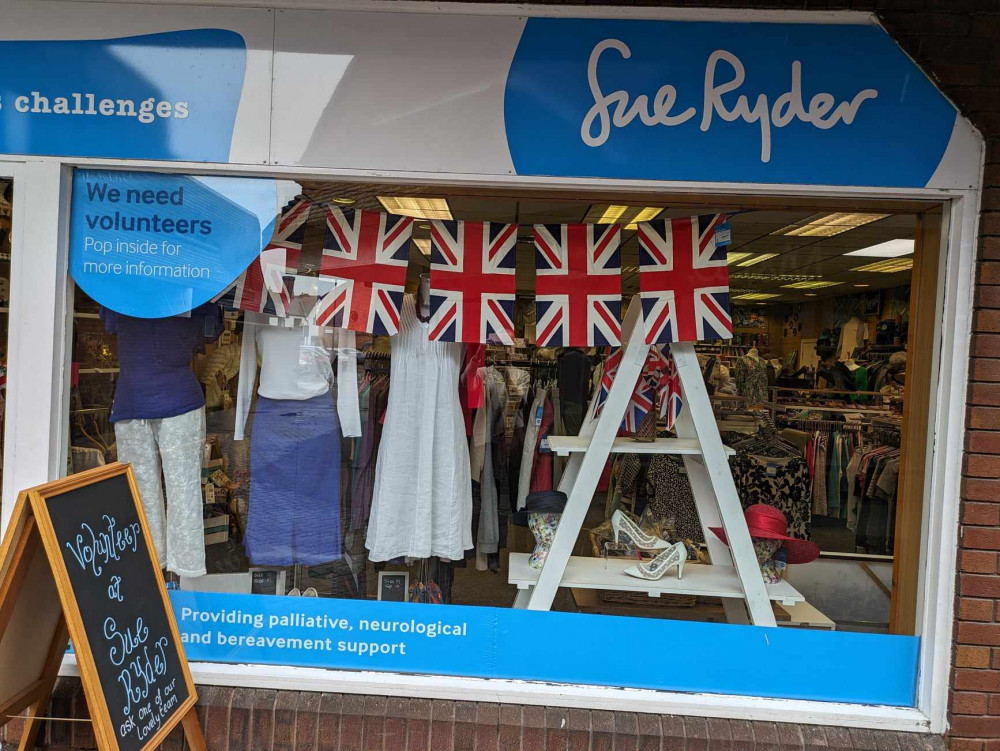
[734, 574]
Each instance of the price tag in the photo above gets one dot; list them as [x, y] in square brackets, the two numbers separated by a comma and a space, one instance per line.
[543, 446]
[538, 415]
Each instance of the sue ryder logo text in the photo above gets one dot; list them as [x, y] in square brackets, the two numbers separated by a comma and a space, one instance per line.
[823, 111]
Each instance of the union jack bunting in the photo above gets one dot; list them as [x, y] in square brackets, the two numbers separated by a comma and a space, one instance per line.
[683, 280]
[472, 282]
[261, 287]
[578, 285]
[369, 251]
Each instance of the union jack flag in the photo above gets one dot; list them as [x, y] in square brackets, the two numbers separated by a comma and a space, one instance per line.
[578, 285]
[611, 363]
[262, 287]
[369, 251]
[683, 280]
[472, 282]
[661, 373]
[640, 405]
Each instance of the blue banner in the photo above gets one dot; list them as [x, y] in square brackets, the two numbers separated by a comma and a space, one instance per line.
[569, 648]
[159, 96]
[815, 104]
[151, 245]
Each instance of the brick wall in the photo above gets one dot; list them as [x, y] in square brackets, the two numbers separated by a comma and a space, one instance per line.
[958, 43]
[237, 719]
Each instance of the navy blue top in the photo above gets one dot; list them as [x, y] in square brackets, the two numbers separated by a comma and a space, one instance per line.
[154, 357]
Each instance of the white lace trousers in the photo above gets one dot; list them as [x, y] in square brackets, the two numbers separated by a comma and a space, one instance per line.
[176, 444]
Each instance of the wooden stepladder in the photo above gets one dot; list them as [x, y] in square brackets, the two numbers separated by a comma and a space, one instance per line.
[734, 574]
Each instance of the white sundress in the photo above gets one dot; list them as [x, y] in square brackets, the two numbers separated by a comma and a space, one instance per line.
[422, 501]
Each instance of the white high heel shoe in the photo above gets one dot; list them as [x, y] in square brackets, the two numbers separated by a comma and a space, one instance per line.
[675, 555]
[621, 523]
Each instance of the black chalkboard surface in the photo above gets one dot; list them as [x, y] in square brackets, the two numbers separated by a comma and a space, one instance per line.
[117, 591]
[94, 536]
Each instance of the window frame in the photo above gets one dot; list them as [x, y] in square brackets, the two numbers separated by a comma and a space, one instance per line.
[37, 439]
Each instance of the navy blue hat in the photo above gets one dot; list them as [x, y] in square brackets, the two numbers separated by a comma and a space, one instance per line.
[539, 502]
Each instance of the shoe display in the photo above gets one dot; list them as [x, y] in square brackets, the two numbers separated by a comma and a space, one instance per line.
[620, 523]
[675, 555]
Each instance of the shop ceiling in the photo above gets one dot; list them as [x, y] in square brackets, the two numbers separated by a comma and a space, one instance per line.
[759, 229]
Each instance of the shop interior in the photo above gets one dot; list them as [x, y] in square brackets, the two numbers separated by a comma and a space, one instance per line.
[813, 392]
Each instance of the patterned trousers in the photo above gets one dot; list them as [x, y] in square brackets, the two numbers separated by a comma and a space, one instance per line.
[174, 444]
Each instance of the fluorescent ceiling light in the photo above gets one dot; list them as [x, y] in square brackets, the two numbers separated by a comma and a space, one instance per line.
[862, 285]
[890, 249]
[757, 296]
[828, 225]
[888, 266]
[732, 258]
[757, 259]
[344, 201]
[810, 294]
[628, 215]
[810, 285]
[423, 244]
[420, 208]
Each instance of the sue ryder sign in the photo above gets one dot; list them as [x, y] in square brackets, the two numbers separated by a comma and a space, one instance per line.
[820, 104]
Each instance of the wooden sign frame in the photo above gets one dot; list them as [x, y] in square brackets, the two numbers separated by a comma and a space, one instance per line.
[31, 538]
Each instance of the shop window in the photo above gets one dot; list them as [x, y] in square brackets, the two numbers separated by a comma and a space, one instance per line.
[6, 199]
[287, 447]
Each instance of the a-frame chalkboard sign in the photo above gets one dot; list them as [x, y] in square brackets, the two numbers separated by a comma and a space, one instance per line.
[77, 563]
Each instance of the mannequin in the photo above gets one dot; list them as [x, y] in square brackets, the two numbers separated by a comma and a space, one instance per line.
[294, 508]
[159, 419]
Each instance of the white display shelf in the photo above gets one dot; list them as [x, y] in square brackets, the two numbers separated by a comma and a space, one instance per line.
[608, 573]
[564, 445]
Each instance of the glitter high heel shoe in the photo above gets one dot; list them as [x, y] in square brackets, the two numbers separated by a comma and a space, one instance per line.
[675, 555]
[622, 524]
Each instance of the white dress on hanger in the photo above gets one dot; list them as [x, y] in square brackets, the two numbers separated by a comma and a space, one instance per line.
[422, 502]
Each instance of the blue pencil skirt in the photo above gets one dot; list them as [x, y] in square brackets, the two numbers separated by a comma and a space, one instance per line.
[294, 514]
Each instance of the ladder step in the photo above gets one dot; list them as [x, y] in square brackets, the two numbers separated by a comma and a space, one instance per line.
[608, 573]
[564, 445]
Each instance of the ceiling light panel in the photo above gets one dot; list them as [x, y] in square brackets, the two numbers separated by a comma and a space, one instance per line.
[732, 258]
[828, 225]
[423, 244]
[890, 249]
[888, 266]
[628, 215]
[420, 208]
[818, 284]
[757, 296]
[757, 259]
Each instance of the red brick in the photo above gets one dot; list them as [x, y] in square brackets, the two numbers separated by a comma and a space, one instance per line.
[982, 465]
[988, 272]
[982, 514]
[978, 633]
[976, 489]
[983, 442]
[976, 680]
[994, 705]
[966, 702]
[987, 394]
[989, 224]
[982, 727]
[972, 657]
[986, 321]
[989, 248]
[984, 418]
[981, 538]
[984, 369]
[974, 609]
[964, 744]
[978, 562]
